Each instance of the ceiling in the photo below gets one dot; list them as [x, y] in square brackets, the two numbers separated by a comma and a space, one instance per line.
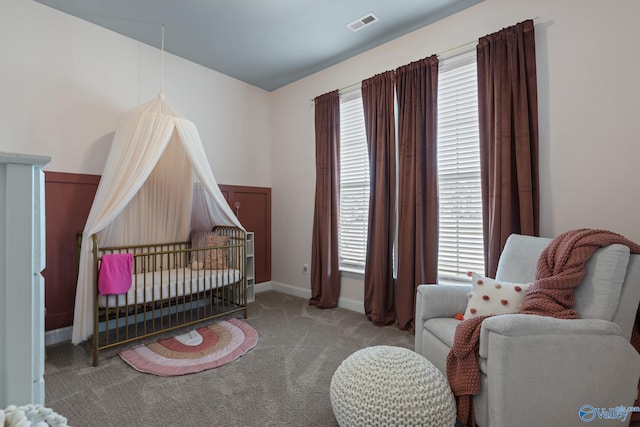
[266, 43]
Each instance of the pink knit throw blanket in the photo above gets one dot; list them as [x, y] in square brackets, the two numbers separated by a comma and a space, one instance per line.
[560, 268]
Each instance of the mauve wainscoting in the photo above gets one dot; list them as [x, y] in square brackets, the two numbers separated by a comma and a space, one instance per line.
[252, 206]
[68, 199]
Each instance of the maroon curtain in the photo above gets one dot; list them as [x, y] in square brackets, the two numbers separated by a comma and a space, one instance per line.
[378, 105]
[417, 86]
[325, 272]
[508, 119]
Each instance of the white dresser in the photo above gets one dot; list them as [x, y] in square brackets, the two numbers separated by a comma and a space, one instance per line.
[22, 259]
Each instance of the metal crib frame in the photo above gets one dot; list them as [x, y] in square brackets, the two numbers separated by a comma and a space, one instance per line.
[190, 296]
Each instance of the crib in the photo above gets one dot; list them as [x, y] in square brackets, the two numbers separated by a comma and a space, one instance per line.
[171, 287]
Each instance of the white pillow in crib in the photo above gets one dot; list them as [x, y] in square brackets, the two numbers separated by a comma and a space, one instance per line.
[197, 265]
[213, 259]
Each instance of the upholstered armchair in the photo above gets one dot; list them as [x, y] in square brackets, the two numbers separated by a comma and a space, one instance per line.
[540, 371]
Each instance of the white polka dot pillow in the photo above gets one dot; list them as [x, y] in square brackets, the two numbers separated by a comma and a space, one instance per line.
[491, 297]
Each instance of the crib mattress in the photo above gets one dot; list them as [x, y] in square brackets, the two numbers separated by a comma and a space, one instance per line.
[167, 284]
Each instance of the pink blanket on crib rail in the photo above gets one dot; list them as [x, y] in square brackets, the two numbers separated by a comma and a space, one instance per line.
[115, 274]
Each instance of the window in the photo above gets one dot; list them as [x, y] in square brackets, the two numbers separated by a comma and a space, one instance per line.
[461, 237]
[461, 240]
[354, 184]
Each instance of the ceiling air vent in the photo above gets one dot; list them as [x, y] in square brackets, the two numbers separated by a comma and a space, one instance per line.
[363, 22]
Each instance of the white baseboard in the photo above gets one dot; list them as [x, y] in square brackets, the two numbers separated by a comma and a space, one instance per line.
[346, 303]
[351, 304]
[57, 336]
[262, 287]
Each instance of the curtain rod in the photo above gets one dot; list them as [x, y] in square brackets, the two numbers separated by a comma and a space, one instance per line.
[356, 85]
[353, 86]
[444, 52]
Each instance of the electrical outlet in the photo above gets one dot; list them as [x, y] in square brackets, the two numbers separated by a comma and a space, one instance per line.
[305, 268]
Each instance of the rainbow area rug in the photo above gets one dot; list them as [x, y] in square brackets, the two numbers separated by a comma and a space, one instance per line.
[200, 349]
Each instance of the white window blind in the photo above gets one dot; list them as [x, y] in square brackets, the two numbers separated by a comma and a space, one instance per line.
[354, 184]
[461, 240]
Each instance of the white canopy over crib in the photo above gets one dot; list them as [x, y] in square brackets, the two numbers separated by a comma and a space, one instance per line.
[157, 186]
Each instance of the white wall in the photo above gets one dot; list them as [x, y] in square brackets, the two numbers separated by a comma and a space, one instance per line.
[64, 81]
[589, 100]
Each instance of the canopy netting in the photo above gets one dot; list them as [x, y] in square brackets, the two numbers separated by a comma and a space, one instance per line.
[157, 186]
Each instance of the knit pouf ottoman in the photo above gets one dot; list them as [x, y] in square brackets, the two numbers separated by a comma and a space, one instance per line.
[391, 386]
[30, 416]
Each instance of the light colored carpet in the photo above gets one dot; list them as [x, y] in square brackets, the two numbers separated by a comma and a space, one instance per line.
[283, 381]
